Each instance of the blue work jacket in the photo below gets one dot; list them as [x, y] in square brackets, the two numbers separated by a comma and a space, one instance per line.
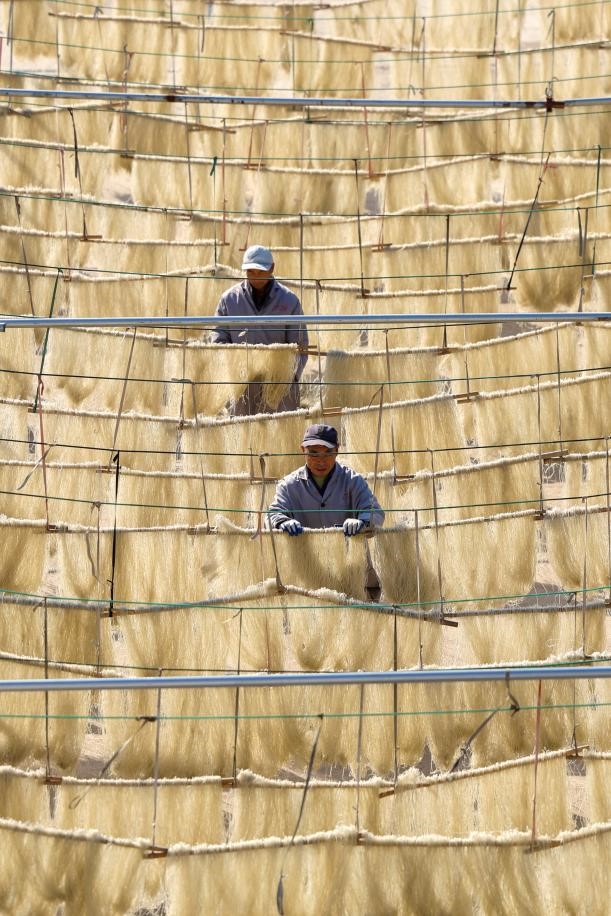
[280, 301]
[346, 495]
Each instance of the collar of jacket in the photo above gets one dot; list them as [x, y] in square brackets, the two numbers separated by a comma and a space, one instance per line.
[269, 290]
[304, 473]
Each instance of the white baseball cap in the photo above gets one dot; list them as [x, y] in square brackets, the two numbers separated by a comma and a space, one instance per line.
[258, 257]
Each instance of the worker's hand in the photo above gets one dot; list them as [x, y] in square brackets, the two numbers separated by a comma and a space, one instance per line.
[291, 526]
[353, 526]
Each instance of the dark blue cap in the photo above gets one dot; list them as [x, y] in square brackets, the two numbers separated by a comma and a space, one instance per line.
[319, 434]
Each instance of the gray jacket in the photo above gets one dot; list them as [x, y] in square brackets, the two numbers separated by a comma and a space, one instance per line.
[280, 301]
[347, 495]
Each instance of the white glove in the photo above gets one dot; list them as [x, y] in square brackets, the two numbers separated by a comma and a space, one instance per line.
[353, 526]
[291, 526]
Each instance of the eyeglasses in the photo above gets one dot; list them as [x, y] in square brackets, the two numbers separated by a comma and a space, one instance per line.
[327, 454]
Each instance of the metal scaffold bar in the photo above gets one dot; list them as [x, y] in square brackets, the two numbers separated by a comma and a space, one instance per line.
[225, 321]
[170, 95]
[311, 678]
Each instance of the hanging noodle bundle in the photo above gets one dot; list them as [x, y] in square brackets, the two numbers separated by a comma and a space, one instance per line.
[133, 541]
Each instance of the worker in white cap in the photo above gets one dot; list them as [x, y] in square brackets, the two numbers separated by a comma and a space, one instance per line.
[261, 294]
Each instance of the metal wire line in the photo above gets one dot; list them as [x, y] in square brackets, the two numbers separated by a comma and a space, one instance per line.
[414, 451]
[331, 16]
[313, 218]
[135, 608]
[245, 510]
[398, 55]
[322, 383]
[231, 717]
[327, 283]
[531, 157]
[179, 122]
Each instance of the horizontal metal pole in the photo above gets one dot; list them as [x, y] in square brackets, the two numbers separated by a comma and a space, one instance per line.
[309, 678]
[171, 95]
[224, 321]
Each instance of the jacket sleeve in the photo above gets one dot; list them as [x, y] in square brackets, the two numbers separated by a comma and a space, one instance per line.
[221, 335]
[366, 506]
[280, 508]
[298, 334]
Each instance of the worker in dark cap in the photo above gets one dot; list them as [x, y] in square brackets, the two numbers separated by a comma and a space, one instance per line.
[323, 493]
[261, 294]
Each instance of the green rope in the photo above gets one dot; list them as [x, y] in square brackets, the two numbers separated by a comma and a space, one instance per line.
[317, 90]
[534, 501]
[310, 715]
[143, 275]
[402, 157]
[182, 605]
[336, 220]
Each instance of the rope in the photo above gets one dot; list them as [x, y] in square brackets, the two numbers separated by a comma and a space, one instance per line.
[533, 833]
[75, 802]
[68, 528]
[269, 586]
[436, 526]
[280, 888]
[398, 54]
[202, 475]
[303, 716]
[484, 208]
[124, 381]
[156, 766]
[116, 459]
[162, 13]
[43, 449]
[438, 163]
[234, 768]
[115, 669]
[322, 383]
[46, 338]
[46, 663]
[607, 478]
[423, 474]
[24, 254]
[346, 412]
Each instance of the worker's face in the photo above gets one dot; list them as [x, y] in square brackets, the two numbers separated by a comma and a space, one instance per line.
[259, 278]
[318, 459]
